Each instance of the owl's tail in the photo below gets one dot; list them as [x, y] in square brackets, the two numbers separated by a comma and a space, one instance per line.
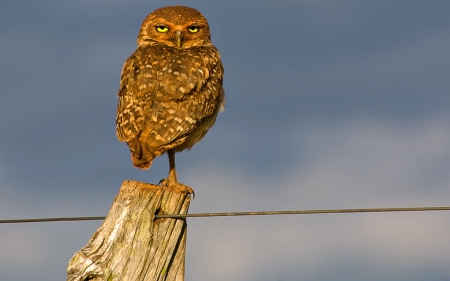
[140, 155]
[141, 163]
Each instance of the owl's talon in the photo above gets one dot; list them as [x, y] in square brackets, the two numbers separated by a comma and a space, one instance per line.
[178, 186]
[185, 189]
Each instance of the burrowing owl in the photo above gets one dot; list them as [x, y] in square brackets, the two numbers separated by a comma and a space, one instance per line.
[170, 88]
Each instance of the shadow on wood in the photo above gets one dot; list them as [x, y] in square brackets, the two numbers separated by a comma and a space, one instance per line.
[131, 244]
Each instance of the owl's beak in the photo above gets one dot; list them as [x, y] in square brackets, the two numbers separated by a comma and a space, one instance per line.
[178, 38]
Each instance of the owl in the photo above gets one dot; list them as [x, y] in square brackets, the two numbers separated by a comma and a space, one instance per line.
[170, 88]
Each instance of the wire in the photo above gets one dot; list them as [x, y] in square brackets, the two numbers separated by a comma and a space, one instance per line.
[53, 219]
[308, 212]
[298, 212]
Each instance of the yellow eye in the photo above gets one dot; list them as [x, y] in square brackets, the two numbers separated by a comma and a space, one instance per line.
[193, 29]
[162, 28]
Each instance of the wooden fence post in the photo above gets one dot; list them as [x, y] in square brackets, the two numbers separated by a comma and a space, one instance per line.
[131, 245]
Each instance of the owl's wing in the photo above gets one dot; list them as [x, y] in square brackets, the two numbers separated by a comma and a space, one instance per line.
[129, 116]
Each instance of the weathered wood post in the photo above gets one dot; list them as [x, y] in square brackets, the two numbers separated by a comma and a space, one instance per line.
[131, 244]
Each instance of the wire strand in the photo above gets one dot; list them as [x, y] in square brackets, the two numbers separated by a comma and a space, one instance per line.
[53, 219]
[298, 212]
[308, 212]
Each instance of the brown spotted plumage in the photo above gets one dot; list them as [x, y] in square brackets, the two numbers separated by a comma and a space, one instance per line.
[170, 89]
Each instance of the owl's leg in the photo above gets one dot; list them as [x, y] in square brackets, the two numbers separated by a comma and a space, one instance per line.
[172, 171]
[172, 177]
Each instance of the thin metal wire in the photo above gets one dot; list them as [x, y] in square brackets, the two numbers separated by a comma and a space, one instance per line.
[53, 219]
[308, 212]
[298, 212]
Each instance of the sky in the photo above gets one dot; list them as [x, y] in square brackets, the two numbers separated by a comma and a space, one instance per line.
[330, 104]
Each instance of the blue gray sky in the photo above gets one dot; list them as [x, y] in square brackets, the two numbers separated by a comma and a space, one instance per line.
[330, 104]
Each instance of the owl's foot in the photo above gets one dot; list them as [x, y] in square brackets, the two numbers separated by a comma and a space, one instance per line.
[171, 180]
[184, 188]
[177, 185]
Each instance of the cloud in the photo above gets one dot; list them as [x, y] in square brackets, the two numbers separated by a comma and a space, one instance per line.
[368, 163]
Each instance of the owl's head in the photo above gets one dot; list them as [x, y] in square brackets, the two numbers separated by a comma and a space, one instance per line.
[175, 26]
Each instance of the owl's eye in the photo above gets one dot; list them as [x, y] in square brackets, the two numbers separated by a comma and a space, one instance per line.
[193, 29]
[162, 28]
